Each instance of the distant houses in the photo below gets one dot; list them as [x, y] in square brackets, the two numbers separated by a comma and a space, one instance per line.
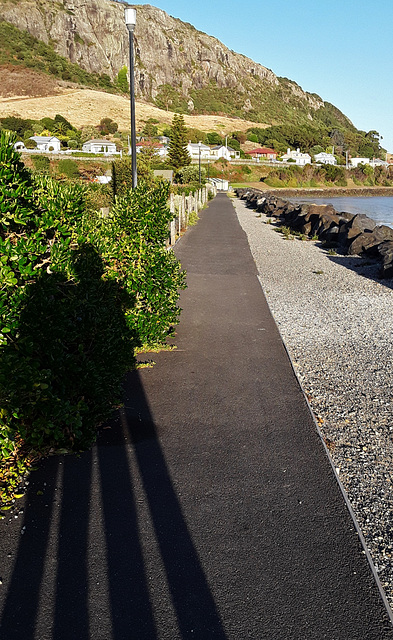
[222, 151]
[211, 153]
[44, 144]
[354, 162]
[325, 158]
[158, 148]
[264, 153]
[100, 146]
[47, 143]
[375, 162]
[20, 146]
[297, 157]
[196, 150]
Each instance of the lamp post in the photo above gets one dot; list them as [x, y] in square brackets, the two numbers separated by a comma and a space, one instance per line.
[199, 145]
[130, 18]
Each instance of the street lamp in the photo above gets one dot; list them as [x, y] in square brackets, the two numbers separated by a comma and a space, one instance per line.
[130, 18]
[199, 145]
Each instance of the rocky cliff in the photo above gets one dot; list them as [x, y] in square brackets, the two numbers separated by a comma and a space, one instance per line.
[171, 56]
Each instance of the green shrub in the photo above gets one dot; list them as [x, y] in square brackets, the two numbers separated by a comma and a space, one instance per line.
[122, 172]
[78, 294]
[132, 239]
[41, 163]
[98, 196]
[190, 174]
[68, 168]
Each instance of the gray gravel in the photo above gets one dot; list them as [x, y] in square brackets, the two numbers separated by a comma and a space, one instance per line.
[336, 319]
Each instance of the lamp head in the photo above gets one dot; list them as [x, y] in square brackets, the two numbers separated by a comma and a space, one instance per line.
[130, 18]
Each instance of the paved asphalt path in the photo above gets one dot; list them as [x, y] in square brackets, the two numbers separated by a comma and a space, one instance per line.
[208, 509]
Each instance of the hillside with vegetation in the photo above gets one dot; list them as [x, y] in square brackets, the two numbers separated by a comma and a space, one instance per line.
[180, 70]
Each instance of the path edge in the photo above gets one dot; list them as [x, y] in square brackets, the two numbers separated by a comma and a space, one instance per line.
[337, 477]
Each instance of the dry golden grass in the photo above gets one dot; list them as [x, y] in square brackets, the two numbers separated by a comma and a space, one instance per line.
[87, 107]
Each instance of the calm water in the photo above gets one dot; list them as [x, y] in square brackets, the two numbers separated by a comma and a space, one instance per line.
[380, 209]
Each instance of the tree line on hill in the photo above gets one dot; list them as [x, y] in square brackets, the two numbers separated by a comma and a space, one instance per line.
[308, 138]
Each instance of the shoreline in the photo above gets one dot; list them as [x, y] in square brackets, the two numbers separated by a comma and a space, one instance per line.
[321, 192]
[334, 315]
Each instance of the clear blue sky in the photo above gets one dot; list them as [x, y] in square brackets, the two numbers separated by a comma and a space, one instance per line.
[339, 49]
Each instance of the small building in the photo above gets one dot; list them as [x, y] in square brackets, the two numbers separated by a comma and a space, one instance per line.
[20, 146]
[219, 183]
[158, 148]
[263, 153]
[325, 158]
[48, 144]
[105, 147]
[377, 162]
[222, 151]
[299, 158]
[354, 162]
[195, 148]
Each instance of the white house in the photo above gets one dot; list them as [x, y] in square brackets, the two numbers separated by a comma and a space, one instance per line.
[159, 149]
[20, 146]
[47, 143]
[299, 158]
[193, 150]
[221, 151]
[325, 158]
[354, 162]
[377, 162]
[100, 146]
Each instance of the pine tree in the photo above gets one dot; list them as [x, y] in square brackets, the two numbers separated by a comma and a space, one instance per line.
[178, 154]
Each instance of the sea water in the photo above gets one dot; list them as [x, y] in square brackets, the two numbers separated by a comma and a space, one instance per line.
[379, 208]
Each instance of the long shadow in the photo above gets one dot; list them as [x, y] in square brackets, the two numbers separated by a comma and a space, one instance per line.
[79, 569]
[196, 612]
[22, 600]
[76, 601]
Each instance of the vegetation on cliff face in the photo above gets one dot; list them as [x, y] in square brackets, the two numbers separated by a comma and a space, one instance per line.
[19, 48]
[179, 69]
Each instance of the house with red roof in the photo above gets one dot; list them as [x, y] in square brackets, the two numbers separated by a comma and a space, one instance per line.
[263, 152]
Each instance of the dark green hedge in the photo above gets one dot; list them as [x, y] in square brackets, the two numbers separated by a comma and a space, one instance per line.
[78, 294]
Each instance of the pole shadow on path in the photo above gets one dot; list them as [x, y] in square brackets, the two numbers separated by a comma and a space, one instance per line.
[53, 589]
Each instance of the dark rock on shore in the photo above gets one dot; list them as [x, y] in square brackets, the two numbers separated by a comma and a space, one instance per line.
[385, 250]
[352, 234]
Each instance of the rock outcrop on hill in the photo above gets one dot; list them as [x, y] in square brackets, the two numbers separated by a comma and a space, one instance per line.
[168, 53]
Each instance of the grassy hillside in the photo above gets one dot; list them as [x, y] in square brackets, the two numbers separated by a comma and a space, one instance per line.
[292, 115]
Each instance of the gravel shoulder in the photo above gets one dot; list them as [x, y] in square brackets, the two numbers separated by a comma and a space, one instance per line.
[336, 320]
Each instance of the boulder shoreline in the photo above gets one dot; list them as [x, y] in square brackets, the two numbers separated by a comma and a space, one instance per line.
[346, 232]
[329, 192]
[335, 316]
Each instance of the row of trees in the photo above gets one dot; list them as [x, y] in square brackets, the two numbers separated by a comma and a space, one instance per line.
[314, 139]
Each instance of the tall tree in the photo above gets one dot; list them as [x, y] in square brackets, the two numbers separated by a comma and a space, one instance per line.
[178, 154]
